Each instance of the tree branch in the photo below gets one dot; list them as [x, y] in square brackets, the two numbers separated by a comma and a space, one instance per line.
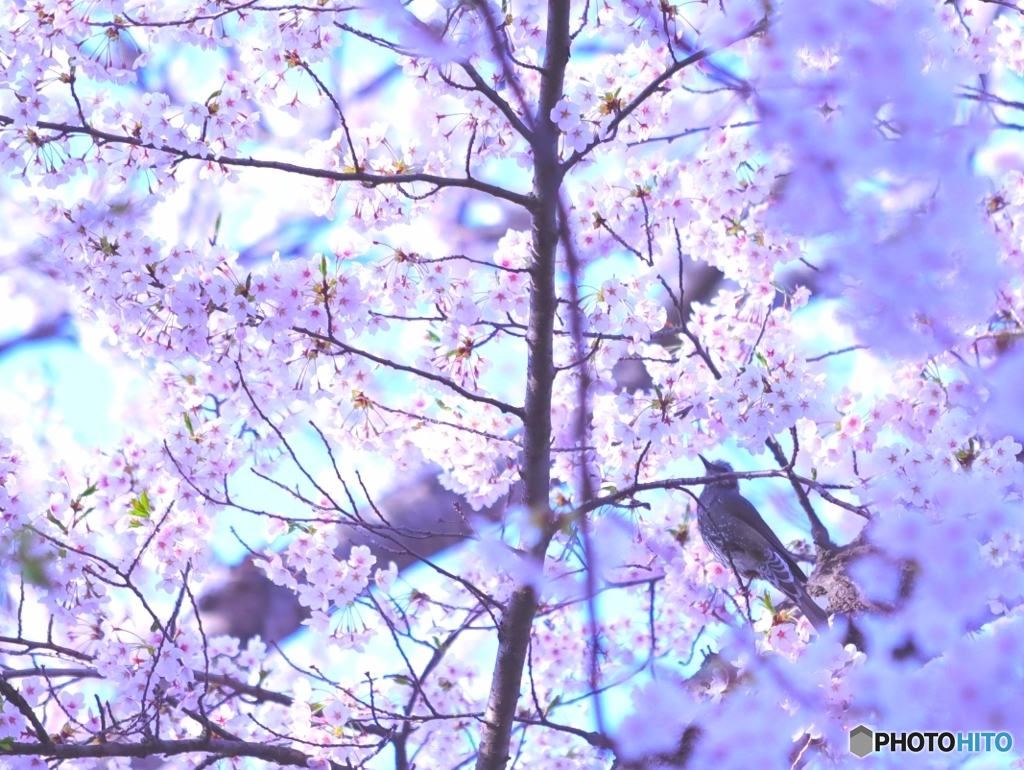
[280, 755]
[372, 180]
[655, 84]
[345, 348]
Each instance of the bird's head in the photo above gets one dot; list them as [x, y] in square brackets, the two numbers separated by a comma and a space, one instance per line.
[716, 467]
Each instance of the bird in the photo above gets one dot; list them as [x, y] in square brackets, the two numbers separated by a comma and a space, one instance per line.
[736, 534]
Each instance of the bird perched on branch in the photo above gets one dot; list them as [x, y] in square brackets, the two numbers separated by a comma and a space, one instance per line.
[736, 534]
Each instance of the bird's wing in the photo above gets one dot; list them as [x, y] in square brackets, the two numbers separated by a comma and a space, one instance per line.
[778, 572]
[742, 509]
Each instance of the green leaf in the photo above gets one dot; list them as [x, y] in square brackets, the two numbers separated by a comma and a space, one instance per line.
[53, 520]
[140, 506]
[33, 571]
[6, 744]
[553, 705]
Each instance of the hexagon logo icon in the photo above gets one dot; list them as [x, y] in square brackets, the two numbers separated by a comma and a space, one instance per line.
[861, 741]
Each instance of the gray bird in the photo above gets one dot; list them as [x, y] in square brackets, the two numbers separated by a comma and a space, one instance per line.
[737, 535]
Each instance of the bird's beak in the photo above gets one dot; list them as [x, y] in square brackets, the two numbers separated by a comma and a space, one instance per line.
[707, 465]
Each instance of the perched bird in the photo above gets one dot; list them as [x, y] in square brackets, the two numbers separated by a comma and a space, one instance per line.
[737, 535]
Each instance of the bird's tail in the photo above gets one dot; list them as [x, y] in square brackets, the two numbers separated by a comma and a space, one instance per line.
[811, 610]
